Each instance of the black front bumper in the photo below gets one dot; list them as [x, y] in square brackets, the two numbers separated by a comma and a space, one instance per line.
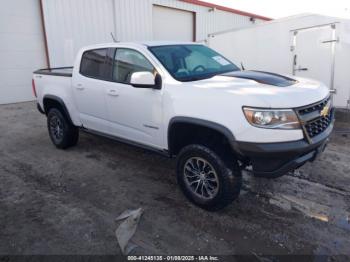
[276, 159]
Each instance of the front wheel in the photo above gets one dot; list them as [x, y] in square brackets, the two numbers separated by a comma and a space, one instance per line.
[206, 179]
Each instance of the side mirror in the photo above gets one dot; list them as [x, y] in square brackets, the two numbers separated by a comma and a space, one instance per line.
[145, 80]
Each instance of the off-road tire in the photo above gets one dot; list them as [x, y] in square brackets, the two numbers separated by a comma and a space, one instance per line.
[228, 174]
[68, 133]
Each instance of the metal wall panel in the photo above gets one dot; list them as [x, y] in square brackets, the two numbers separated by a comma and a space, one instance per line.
[172, 24]
[208, 20]
[21, 49]
[134, 19]
[73, 24]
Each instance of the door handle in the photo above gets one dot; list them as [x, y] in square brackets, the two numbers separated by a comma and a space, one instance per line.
[113, 92]
[80, 87]
[302, 68]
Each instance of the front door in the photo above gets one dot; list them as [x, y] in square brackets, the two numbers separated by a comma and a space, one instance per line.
[135, 113]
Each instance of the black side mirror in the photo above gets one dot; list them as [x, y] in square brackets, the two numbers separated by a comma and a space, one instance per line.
[158, 82]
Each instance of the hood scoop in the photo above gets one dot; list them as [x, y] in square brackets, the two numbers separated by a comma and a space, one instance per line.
[263, 77]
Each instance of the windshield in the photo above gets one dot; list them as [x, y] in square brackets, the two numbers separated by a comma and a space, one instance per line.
[192, 62]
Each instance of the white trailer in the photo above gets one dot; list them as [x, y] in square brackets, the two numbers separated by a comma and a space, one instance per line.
[309, 45]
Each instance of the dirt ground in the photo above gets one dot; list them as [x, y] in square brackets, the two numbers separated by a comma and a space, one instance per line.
[66, 202]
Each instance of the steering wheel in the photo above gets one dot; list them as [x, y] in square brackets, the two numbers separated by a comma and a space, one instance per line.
[198, 67]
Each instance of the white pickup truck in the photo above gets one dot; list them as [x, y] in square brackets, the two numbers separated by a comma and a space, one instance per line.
[186, 100]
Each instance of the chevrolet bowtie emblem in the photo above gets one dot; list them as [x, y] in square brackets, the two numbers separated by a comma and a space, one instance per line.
[325, 111]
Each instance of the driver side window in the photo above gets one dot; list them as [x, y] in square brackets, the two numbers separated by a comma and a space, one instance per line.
[127, 62]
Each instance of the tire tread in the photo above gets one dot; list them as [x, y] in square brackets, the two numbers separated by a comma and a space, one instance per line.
[230, 176]
[71, 132]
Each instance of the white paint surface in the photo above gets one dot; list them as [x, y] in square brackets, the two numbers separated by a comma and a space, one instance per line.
[267, 47]
[21, 49]
[101, 105]
[278, 9]
[172, 24]
[71, 25]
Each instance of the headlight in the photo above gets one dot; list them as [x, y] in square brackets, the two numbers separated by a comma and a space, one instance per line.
[268, 118]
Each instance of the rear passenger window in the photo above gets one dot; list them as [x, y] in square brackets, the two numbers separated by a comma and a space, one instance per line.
[128, 61]
[92, 63]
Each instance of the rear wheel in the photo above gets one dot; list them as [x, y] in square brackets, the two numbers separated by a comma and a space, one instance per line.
[206, 179]
[62, 133]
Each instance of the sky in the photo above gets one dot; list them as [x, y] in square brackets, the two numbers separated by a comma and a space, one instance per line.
[283, 8]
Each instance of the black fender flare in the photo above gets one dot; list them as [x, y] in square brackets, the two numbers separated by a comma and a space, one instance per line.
[62, 104]
[205, 123]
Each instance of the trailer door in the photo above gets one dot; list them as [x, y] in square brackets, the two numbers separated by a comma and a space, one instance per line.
[313, 54]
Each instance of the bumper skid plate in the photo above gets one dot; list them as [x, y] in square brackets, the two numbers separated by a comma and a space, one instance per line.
[276, 159]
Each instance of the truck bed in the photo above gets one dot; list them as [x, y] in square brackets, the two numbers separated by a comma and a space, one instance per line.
[57, 71]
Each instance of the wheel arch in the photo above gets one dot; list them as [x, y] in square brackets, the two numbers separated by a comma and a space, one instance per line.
[50, 101]
[200, 124]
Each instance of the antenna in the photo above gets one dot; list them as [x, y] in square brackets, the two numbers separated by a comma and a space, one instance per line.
[114, 40]
[242, 66]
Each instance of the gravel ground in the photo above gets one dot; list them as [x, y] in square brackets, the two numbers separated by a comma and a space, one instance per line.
[66, 202]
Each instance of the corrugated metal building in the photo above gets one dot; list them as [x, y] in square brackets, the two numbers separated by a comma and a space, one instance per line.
[21, 48]
[41, 33]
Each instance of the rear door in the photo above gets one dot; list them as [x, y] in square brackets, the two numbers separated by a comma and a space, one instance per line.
[89, 88]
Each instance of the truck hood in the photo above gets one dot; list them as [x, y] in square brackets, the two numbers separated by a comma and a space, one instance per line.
[267, 89]
[263, 78]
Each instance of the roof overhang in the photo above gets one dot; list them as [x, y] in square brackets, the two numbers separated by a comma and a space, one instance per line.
[227, 9]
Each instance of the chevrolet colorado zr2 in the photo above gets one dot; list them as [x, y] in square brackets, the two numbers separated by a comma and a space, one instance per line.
[187, 101]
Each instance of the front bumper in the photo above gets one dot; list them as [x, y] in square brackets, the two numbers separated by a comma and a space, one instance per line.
[277, 159]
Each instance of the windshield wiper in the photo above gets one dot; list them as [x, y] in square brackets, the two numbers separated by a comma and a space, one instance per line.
[195, 78]
[206, 76]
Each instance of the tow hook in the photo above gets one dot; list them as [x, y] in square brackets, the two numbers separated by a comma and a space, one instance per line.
[319, 150]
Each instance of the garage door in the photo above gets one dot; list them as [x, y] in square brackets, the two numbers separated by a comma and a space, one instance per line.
[172, 24]
[21, 49]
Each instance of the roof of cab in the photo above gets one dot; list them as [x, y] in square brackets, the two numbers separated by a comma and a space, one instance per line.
[161, 43]
[139, 44]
